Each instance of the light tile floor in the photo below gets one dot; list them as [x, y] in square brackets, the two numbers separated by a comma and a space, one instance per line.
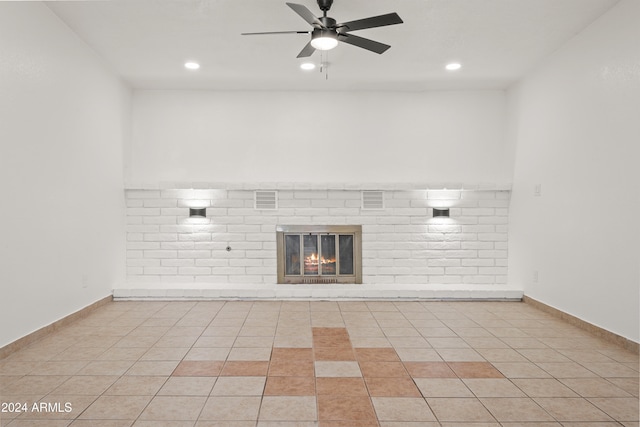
[326, 364]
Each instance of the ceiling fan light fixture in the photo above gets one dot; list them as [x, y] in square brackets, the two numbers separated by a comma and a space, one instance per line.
[324, 39]
[453, 66]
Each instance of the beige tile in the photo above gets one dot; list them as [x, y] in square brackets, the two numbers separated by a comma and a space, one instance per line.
[409, 342]
[459, 355]
[292, 341]
[106, 367]
[156, 353]
[493, 387]
[86, 385]
[418, 355]
[176, 341]
[250, 353]
[213, 342]
[543, 387]
[136, 386]
[101, 423]
[369, 342]
[501, 355]
[572, 409]
[239, 386]
[566, 370]
[594, 387]
[630, 385]
[116, 407]
[122, 353]
[402, 409]
[459, 410]
[187, 386]
[223, 408]
[337, 369]
[515, 409]
[611, 370]
[151, 368]
[520, 370]
[167, 408]
[208, 353]
[619, 408]
[34, 385]
[442, 387]
[290, 408]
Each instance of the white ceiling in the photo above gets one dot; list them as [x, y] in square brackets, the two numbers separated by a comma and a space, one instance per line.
[497, 41]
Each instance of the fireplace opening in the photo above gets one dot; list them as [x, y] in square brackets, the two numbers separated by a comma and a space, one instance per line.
[319, 254]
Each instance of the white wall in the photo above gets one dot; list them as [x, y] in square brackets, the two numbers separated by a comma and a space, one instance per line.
[575, 126]
[64, 117]
[182, 136]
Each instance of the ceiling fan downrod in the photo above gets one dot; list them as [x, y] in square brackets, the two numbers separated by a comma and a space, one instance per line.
[325, 5]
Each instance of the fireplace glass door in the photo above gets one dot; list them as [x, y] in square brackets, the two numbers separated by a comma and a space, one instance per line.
[318, 257]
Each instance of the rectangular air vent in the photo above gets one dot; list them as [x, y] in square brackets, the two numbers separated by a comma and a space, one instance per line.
[372, 200]
[266, 200]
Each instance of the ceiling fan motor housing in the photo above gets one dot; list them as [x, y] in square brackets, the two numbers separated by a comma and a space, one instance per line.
[325, 5]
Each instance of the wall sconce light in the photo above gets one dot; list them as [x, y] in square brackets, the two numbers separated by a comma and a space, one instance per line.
[197, 212]
[441, 212]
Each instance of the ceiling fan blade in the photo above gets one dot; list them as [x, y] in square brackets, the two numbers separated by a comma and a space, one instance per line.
[367, 44]
[374, 21]
[306, 14]
[276, 32]
[306, 51]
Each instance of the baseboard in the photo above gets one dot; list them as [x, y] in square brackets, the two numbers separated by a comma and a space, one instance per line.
[23, 342]
[582, 324]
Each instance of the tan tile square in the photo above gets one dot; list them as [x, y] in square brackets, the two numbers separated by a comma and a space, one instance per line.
[304, 354]
[65, 367]
[612, 370]
[290, 386]
[544, 355]
[447, 342]
[442, 387]
[292, 408]
[543, 387]
[334, 354]
[291, 368]
[34, 385]
[255, 354]
[566, 370]
[292, 341]
[337, 369]
[594, 387]
[341, 386]
[149, 368]
[619, 408]
[122, 353]
[223, 408]
[515, 410]
[630, 385]
[221, 331]
[106, 367]
[176, 341]
[401, 331]
[460, 355]
[196, 368]
[383, 369]
[365, 331]
[392, 387]
[215, 342]
[245, 368]
[136, 386]
[493, 387]
[418, 354]
[338, 408]
[409, 342]
[208, 353]
[402, 409]
[520, 370]
[501, 355]
[156, 353]
[116, 407]
[255, 342]
[102, 423]
[429, 370]
[167, 408]
[459, 409]
[475, 370]
[187, 386]
[572, 409]
[376, 355]
[86, 385]
[239, 386]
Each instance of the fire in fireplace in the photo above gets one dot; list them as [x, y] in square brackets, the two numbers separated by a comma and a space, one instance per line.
[319, 254]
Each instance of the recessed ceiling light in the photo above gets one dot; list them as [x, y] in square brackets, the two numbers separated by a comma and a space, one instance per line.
[191, 65]
[307, 66]
[453, 66]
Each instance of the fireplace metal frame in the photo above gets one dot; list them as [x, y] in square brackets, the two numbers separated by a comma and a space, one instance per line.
[355, 230]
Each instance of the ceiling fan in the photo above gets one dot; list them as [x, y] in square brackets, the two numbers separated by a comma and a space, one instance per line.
[327, 32]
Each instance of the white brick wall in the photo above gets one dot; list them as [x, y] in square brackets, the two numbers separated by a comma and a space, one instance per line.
[401, 244]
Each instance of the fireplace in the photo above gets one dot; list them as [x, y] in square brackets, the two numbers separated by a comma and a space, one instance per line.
[319, 254]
